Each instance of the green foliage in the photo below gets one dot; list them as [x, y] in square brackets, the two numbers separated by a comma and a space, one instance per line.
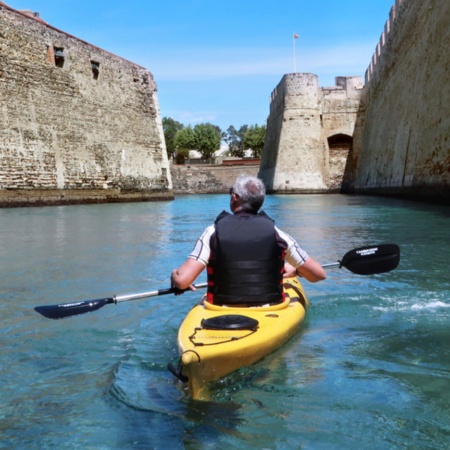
[170, 128]
[207, 139]
[185, 139]
[234, 138]
[254, 138]
[181, 155]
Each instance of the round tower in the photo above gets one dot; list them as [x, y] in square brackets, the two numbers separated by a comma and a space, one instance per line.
[295, 154]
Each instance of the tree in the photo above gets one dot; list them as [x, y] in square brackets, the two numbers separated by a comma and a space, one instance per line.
[170, 128]
[207, 139]
[234, 138]
[184, 141]
[254, 139]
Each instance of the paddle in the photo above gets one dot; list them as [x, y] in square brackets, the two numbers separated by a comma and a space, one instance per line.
[362, 261]
[75, 308]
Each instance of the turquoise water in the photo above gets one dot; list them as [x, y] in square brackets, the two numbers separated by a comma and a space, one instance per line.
[369, 369]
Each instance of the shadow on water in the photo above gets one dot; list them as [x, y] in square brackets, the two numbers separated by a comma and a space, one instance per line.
[148, 398]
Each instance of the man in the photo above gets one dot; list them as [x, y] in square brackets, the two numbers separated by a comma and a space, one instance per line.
[245, 253]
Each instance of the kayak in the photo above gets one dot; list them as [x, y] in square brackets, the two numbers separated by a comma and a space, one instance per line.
[214, 341]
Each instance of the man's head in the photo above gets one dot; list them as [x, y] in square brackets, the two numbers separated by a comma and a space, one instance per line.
[247, 194]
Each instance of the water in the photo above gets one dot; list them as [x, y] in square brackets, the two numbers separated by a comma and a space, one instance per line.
[369, 369]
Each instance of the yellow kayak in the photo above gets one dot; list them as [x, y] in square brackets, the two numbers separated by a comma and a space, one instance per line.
[214, 341]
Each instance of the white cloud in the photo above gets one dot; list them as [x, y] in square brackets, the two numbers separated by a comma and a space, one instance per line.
[193, 118]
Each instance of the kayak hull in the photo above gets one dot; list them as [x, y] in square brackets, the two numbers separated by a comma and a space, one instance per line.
[208, 354]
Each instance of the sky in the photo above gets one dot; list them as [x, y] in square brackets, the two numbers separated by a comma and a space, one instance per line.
[218, 61]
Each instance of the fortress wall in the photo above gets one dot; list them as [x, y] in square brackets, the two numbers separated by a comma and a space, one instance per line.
[340, 108]
[340, 105]
[87, 131]
[402, 145]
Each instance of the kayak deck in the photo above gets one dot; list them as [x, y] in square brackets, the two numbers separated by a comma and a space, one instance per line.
[214, 341]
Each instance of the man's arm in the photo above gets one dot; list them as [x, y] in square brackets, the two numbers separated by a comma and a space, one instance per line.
[312, 271]
[184, 276]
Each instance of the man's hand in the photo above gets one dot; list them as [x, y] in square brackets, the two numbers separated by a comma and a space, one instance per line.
[289, 271]
[178, 291]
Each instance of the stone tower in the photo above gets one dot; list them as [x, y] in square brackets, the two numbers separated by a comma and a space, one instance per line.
[309, 133]
[295, 151]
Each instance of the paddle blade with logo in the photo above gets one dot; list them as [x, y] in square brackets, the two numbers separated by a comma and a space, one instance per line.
[372, 259]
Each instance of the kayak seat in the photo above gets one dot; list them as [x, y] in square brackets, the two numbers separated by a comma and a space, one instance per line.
[230, 322]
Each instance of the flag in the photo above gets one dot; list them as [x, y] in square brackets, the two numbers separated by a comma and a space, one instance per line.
[295, 36]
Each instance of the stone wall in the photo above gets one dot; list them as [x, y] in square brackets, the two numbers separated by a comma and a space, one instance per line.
[302, 120]
[77, 123]
[340, 110]
[208, 179]
[402, 145]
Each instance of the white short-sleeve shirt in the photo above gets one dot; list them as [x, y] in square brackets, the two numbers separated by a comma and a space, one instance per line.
[295, 255]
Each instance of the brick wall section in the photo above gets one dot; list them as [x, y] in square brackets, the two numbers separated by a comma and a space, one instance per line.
[63, 130]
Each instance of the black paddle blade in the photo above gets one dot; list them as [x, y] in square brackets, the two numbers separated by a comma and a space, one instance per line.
[372, 259]
[72, 309]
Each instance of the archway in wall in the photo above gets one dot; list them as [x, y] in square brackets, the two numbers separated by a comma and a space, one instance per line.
[339, 172]
[340, 142]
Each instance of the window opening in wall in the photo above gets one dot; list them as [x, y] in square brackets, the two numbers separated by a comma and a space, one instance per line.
[95, 69]
[59, 56]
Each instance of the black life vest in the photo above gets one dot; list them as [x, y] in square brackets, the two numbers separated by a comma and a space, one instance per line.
[246, 263]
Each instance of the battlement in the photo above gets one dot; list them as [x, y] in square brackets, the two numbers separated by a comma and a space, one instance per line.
[308, 84]
[376, 64]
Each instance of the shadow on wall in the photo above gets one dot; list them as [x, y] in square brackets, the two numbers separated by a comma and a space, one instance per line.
[269, 163]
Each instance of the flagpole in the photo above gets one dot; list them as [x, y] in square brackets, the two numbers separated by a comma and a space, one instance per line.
[295, 36]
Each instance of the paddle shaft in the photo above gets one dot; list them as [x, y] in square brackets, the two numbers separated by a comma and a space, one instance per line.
[335, 264]
[126, 298]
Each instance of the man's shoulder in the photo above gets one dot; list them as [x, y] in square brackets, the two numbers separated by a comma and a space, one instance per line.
[208, 231]
[283, 235]
[222, 215]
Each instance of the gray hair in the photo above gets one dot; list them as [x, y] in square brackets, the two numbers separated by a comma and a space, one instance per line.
[251, 192]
